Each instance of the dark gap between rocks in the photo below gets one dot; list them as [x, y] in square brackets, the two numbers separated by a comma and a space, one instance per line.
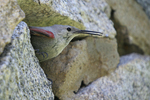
[124, 45]
[81, 86]
[56, 98]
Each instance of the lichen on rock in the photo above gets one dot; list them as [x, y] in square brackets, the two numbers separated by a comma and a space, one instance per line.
[21, 76]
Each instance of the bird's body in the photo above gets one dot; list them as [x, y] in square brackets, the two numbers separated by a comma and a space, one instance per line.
[50, 41]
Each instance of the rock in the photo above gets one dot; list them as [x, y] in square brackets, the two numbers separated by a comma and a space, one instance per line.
[92, 17]
[21, 76]
[41, 13]
[10, 16]
[81, 61]
[132, 26]
[130, 82]
[50, 12]
[146, 6]
[85, 59]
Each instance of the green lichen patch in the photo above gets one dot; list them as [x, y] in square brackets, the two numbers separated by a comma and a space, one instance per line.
[44, 15]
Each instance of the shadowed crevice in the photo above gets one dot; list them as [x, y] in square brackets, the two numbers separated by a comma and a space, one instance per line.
[124, 45]
[81, 86]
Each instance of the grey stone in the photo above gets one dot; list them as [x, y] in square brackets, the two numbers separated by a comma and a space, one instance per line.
[132, 26]
[146, 6]
[81, 61]
[91, 14]
[129, 82]
[81, 14]
[21, 77]
[10, 16]
[85, 59]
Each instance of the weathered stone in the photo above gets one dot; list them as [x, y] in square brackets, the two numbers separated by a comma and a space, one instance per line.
[146, 6]
[50, 12]
[129, 82]
[41, 13]
[92, 17]
[132, 26]
[21, 77]
[10, 16]
[82, 60]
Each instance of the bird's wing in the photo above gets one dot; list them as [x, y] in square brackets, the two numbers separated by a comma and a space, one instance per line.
[41, 32]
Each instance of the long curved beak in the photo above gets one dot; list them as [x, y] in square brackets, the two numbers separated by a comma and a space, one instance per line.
[89, 32]
[92, 33]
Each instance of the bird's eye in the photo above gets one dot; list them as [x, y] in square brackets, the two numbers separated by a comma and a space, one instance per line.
[68, 29]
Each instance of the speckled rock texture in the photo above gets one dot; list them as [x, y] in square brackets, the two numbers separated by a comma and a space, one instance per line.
[87, 69]
[132, 26]
[21, 77]
[92, 17]
[131, 81]
[41, 13]
[84, 59]
[80, 14]
[81, 61]
[10, 16]
[145, 5]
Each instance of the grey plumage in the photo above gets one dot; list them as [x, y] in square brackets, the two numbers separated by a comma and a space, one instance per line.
[47, 48]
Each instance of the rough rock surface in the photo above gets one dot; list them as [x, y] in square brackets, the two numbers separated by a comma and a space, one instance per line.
[132, 26]
[81, 14]
[146, 6]
[92, 17]
[81, 61]
[10, 16]
[21, 77]
[41, 13]
[96, 55]
[129, 82]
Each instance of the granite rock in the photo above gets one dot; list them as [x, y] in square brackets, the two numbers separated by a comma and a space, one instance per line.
[21, 77]
[129, 82]
[84, 59]
[10, 16]
[146, 6]
[132, 26]
[81, 61]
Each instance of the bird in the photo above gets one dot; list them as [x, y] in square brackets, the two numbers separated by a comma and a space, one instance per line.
[48, 42]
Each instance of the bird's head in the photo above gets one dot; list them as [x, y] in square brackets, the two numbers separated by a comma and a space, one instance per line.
[69, 32]
[53, 39]
[62, 31]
